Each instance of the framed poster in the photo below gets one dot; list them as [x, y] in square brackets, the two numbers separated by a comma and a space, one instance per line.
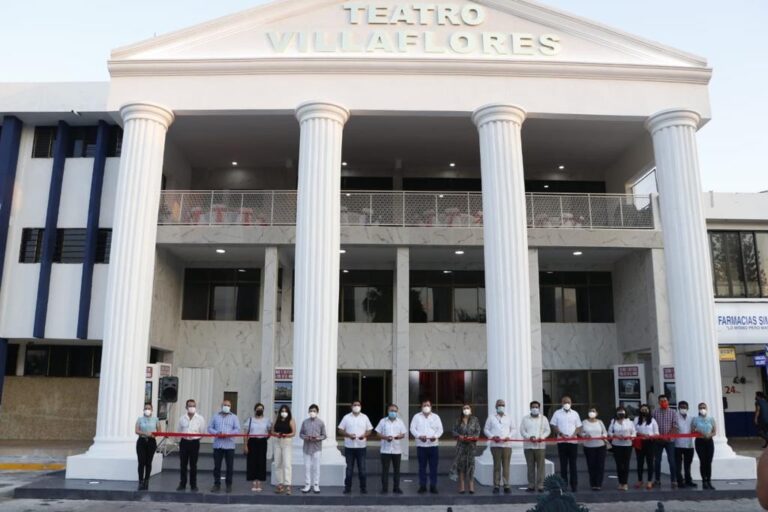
[629, 385]
[668, 384]
[632, 407]
[629, 388]
[283, 391]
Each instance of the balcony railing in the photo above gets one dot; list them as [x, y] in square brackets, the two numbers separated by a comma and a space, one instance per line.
[420, 209]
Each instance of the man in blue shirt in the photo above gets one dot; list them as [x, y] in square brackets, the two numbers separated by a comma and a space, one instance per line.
[224, 422]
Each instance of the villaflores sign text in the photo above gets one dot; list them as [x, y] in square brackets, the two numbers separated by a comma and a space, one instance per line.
[419, 27]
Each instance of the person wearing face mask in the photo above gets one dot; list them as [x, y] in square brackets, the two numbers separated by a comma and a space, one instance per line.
[566, 423]
[355, 427]
[646, 428]
[225, 423]
[466, 431]
[534, 429]
[705, 426]
[684, 447]
[391, 430]
[146, 445]
[622, 430]
[189, 447]
[284, 430]
[312, 431]
[594, 450]
[255, 448]
[427, 428]
[499, 429]
[666, 418]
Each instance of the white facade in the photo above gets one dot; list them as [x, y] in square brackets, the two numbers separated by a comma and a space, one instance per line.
[304, 94]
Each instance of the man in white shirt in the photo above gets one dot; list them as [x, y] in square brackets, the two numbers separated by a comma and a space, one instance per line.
[684, 447]
[427, 428]
[534, 428]
[355, 427]
[391, 430]
[567, 423]
[499, 429]
[189, 447]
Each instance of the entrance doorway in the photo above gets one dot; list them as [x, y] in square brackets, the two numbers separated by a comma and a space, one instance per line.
[371, 387]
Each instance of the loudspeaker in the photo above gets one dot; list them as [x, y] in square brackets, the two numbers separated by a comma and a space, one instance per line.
[169, 389]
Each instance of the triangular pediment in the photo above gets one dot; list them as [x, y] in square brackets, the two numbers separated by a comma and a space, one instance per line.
[486, 30]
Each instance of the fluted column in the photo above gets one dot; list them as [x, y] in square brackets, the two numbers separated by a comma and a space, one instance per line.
[316, 300]
[506, 257]
[689, 276]
[129, 292]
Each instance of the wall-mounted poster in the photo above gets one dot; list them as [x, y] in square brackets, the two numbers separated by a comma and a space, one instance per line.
[629, 384]
[631, 406]
[668, 384]
[283, 391]
[283, 388]
[629, 388]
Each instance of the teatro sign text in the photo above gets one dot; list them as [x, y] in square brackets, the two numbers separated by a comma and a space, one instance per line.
[416, 27]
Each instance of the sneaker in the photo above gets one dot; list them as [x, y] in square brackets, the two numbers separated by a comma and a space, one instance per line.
[316, 489]
[306, 489]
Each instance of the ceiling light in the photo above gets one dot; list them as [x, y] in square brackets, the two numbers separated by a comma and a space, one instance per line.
[343, 164]
[546, 186]
[550, 272]
[561, 167]
[459, 252]
[577, 253]
[441, 196]
[342, 251]
[446, 271]
[348, 194]
[241, 270]
[234, 164]
[452, 164]
[345, 271]
[220, 251]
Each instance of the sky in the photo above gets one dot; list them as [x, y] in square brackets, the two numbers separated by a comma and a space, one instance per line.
[51, 40]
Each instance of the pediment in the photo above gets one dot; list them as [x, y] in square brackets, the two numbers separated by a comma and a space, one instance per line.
[486, 31]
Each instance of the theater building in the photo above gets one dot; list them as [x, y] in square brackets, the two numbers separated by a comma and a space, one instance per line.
[370, 200]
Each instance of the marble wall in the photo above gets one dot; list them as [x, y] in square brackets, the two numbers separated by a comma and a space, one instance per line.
[166, 301]
[579, 346]
[448, 346]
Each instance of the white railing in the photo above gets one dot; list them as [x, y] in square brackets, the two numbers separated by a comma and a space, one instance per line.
[426, 209]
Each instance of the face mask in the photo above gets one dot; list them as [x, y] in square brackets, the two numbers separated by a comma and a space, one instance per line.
[567, 406]
[664, 405]
[147, 412]
[683, 411]
[621, 415]
[356, 409]
[644, 412]
[535, 411]
[467, 412]
[259, 412]
[312, 414]
[592, 414]
[500, 409]
[392, 415]
[283, 414]
[225, 409]
[426, 409]
[191, 409]
[702, 412]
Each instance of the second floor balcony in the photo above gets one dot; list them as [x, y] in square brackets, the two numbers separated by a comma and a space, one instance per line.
[405, 209]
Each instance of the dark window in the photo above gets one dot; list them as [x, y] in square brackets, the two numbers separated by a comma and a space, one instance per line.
[62, 361]
[739, 261]
[103, 245]
[448, 391]
[115, 144]
[10, 359]
[70, 246]
[221, 294]
[575, 297]
[443, 184]
[447, 296]
[31, 245]
[565, 187]
[82, 142]
[45, 137]
[366, 296]
[365, 183]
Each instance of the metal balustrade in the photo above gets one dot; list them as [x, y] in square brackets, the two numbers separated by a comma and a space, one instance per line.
[420, 209]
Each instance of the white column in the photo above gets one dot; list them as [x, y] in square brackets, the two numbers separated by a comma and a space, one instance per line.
[689, 277]
[316, 300]
[128, 297]
[401, 346]
[21, 359]
[269, 328]
[506, 268]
